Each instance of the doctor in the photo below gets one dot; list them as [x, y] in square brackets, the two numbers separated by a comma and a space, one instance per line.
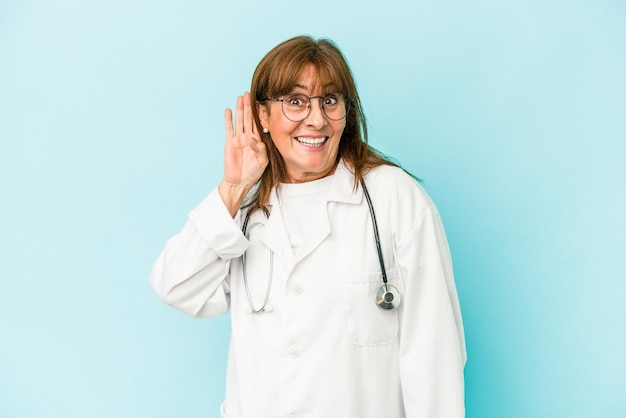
[332, 260]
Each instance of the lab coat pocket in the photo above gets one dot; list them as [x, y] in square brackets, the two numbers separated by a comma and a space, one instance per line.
[366, 323]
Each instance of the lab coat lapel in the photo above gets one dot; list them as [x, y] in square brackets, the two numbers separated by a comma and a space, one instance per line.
[275, 235]
[319, 232]
[341, 190]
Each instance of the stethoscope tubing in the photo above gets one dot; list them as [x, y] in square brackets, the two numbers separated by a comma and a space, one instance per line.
[263, 307]
[376, 234]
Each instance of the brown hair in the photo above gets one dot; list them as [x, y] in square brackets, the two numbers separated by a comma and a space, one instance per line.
[277, 73]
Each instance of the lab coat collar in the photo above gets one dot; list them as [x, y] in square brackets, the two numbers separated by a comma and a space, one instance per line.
[341, 188]
[275, 235]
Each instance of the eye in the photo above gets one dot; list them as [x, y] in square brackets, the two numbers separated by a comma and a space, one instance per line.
[296, 101]
[331, 100]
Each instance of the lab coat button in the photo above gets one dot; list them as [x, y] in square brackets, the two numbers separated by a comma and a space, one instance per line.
[294, 353]
[298, 289]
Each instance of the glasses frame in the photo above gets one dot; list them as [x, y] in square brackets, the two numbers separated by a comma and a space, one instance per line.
[346, 102]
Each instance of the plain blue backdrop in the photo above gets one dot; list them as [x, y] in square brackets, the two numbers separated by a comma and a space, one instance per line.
[111, 130]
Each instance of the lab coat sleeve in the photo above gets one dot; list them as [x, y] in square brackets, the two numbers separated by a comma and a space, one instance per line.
[432, 345]
[192, 272]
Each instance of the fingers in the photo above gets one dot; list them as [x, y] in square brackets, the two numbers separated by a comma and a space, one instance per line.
[249, 125]
[228, 121]
[243, 130]
[257, 145]
[239, 128]
[244, 121]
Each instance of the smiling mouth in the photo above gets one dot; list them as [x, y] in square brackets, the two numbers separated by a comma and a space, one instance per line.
[312, 142]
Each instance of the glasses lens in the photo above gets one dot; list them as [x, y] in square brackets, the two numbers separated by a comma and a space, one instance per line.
[334, 106]
[296, 107]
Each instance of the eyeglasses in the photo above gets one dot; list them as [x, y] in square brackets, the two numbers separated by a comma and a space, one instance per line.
[296, 107]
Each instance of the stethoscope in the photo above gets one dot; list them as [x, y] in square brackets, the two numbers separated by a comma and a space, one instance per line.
[387, 296]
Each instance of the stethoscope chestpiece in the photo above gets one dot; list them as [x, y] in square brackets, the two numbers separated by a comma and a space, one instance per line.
[388, 297]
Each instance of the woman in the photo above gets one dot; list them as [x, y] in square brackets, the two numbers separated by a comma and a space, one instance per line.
[287, 243]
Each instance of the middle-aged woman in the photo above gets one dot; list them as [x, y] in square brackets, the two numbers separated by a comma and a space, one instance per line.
[328, 320]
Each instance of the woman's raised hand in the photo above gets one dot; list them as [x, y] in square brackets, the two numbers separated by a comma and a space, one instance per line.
[245, 156]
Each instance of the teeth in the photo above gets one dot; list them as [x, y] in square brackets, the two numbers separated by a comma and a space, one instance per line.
[314, 142]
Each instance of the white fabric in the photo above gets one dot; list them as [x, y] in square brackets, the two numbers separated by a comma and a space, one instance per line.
[326, 349]
[302, 204]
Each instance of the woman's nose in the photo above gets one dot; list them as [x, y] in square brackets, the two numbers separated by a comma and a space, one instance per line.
[316, 116]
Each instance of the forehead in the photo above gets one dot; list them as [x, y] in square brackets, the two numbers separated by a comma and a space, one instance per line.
[311, 81]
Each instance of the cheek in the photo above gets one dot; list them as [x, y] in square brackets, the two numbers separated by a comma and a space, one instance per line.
[339, 129]
[280, 125]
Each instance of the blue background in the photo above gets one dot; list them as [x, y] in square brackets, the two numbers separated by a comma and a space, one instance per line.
[111, 130]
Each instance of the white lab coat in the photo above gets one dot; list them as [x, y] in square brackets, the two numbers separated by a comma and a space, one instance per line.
[326, 349]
